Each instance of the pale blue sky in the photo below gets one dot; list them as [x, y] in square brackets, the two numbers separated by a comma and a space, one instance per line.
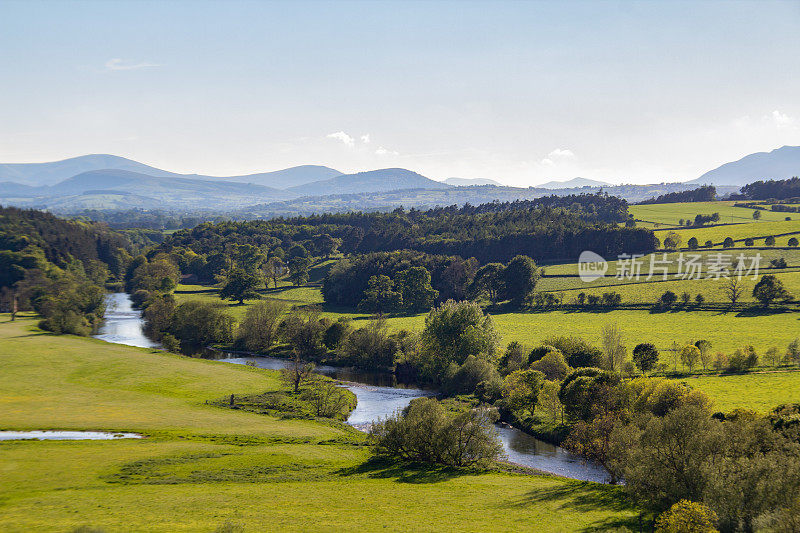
[521, 92]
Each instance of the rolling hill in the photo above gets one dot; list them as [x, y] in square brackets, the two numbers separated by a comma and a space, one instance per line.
[387, 179]
[781, 163]
[573, 183]
[38, 174]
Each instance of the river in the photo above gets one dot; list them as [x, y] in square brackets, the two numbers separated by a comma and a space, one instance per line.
[377, 397]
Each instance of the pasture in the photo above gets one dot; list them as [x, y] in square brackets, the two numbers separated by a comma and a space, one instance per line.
[202, 468]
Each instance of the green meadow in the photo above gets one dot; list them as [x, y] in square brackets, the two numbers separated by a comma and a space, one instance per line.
[670, 214]
[204, 468]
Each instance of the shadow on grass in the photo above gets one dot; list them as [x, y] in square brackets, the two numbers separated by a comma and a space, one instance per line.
[764, 311]
[415, 473]
[582, 497]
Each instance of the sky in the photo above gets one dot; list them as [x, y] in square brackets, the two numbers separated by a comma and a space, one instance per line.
[520, 92]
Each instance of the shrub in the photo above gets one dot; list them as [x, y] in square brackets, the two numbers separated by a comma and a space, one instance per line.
[259, 328]
[425, 432]
[577, 351]
[769, 241]
[793, 241]
[749, 240]
[687, 517]
[709, 244]
[464, 379]
[728, 242]
[552, 365]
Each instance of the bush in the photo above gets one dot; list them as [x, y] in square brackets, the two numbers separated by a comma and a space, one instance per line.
[425, 432]
[687, 517]
[577, 351]
[769, 241]
[668, 299]
[749, 240]
[552, 365]
[454, 331]
[259, 328]
[793, 241]
[464, 379]
[728, 242]
[369, 347]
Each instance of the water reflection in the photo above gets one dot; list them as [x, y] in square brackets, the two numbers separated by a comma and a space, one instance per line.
[378, 396]
[123, 324]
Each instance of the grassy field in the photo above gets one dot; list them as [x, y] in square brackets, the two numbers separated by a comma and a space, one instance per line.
[670, 214]
[202, 467]
[760, 392]
[727, 331]
[738, 232]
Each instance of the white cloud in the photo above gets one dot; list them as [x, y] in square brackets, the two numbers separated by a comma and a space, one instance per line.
[365, 138]
[558, 153]
[119, 64]
[384, 151]
[780, 119]
[556, 156]
[343, 137]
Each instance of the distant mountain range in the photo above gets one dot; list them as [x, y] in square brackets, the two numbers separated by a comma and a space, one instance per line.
[780, 164]
[102, 181]
[574, 182]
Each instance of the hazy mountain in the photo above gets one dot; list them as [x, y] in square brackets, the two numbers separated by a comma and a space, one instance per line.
[290, 177]
[466, 182]
[779, 164]
[38, 174]
[387, 179]
[50, 173]
[573, 183]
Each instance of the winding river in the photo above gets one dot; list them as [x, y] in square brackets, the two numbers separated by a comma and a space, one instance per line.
[376, 394]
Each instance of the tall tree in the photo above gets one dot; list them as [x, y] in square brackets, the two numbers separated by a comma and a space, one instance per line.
[241, 285]
[519, 279]
[415, 285]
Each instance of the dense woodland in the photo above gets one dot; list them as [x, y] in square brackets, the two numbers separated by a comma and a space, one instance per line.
[59, 268]
[772, 189]
[547, 228]
[706, 193]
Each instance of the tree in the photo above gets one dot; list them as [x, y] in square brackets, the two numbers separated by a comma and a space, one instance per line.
[519, 279]
[369, 347]
[415, 286]
[615, 352]
[273, 269]
[749, 241]
[488, 281]
[792, 241]
[793, 351]
[327, 399]
[672, 241]
[198, 324]
[705, 352]
[453, 331]
[577, 351]
[769, 241]
[773, 356]
[728, 242]
[513, 359]
[645, 356]
[303, 330]
[548, 399]
[693, 244]
[240, 285]
[699, 299]
[296, 372]
[425, 432]
[687, 517]
[690, 354]
[521, 390]
[259, 328]
[381, 296]
[326, 245]
[709, 243]
[298, 270]
[757, 214]
[768, 289]
[733, 289]
[552, 365]
[668, 299]
[593, 440]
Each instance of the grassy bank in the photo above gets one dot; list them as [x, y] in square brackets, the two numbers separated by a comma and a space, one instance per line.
[202, 466]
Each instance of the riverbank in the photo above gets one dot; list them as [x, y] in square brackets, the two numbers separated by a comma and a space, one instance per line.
[201, 465]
